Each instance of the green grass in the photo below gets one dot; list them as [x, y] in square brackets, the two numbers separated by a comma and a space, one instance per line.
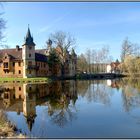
[25, 80]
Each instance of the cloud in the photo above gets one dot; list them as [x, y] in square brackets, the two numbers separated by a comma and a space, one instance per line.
[53, 24]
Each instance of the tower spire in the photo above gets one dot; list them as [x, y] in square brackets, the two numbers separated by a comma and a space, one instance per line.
[28, 35]
[29, 38]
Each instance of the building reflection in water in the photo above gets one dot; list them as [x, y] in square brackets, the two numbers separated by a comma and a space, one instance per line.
[60, 97]
[25, 97]
[130, 89]
[115, 83]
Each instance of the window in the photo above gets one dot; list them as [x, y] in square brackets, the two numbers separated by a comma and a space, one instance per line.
[14, 96]
[19, 71]
[19, 88]
[19, 64]
[29, 55]
[30, 72]
[6, 96]
[30, 63]
[6, 65]
[30, 88]
[44, 65]
[30, 47]
[13, 64]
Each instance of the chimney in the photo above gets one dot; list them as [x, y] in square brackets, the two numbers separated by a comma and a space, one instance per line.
[17, 47]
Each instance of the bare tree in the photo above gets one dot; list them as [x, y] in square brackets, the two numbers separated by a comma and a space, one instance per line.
[2, 27]
[64, 42]
[128, 49]
[88, 58]
[97, 59]
[82, 63]
[93, 53]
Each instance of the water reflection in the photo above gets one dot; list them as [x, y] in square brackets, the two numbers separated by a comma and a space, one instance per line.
[62, 101]
[95, 91]
[60, 97]
[130, 91]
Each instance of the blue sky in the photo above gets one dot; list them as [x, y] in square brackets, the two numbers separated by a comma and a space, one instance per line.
[93, 24]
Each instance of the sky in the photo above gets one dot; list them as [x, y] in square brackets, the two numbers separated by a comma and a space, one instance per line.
[93, 24]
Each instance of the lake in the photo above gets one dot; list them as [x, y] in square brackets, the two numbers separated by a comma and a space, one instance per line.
[74, 109]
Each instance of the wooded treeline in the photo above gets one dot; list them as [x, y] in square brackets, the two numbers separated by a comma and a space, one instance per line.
[94, 60]
[130, 58]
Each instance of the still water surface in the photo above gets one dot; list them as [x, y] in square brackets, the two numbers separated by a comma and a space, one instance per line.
[74, 109]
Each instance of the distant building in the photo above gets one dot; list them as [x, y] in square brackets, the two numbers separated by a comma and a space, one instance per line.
[113, 67]
[108, 68]
[27, 62]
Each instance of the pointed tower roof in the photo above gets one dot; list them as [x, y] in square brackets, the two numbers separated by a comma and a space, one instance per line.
[49, 42]
[28, 39]
[117, 61]
[28, 35]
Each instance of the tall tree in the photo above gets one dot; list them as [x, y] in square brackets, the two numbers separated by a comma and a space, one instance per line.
[2, 26]
[88, 58]
[128, 49]
[53, 61]
[93, 53]
[64, 42]
[82, 63]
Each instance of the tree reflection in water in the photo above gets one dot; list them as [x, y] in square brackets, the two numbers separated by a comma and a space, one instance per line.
[130, 93]
[95, 91]
[61, 109]
[60, 98]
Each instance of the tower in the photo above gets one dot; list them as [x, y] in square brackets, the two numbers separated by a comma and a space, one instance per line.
[49, 46]
[29, 104]
[28, 56]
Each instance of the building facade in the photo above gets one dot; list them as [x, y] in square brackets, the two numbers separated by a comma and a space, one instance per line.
[113, 67]
[26, 61]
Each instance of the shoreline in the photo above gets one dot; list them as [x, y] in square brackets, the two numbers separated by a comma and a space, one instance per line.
[7, 128]
[101, 76]
[25, 80]
[97, 76]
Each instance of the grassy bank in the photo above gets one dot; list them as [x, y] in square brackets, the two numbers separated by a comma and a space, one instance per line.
[25, 80]
[7, 129]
